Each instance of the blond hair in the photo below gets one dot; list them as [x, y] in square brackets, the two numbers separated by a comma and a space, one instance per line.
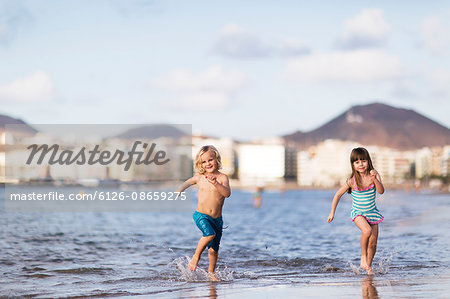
[198, 162]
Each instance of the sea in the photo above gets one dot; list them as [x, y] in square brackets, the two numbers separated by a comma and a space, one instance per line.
[283, 249]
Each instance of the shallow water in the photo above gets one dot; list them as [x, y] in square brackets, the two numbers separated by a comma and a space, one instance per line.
[285, 248]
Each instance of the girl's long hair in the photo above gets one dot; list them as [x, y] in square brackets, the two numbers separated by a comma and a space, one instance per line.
[358, 153]
[198, 162]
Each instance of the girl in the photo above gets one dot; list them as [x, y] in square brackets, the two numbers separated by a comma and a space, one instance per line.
[213, 188]
[362, 185]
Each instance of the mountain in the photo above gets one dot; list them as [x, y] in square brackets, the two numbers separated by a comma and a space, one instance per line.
[7, 120]
[153, 132]
[377, 124]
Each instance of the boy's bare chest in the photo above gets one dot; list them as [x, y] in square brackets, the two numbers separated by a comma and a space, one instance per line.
[206, 187]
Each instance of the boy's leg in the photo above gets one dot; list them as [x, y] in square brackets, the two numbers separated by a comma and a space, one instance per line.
[372, 247]
[366, 231]
[213, 256]
[202, 243]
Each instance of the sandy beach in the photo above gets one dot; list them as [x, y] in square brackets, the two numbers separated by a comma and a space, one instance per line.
[365, 287]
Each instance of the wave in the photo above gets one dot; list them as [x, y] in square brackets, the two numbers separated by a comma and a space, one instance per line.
[199, 275]
[87, 270]
[291, 263]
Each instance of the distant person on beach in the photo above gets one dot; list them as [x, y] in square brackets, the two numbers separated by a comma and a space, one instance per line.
[257, 196]
[213, 188]
[362, 185]
[417, 186]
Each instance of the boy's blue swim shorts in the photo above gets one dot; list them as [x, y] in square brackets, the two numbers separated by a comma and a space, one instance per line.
[209, 226]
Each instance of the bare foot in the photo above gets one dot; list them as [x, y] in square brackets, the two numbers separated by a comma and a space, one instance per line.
[370, 271]
[193, 263]
[364, 264]
[213, 276]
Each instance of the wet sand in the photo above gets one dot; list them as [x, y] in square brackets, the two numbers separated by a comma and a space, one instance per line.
[366, 287]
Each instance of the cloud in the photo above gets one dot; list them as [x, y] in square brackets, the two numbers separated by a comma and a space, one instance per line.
[435, 36]
[426, 85]
[37, 87]
[440, 83]
[135, 8]
[236, 42]
[13, 17]
[292, 47]
[212, 89]
[366, 30]
[203, 101]
[350, 66]
[405, 90]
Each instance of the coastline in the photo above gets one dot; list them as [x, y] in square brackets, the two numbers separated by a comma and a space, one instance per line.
[235, 184]
[361, 286]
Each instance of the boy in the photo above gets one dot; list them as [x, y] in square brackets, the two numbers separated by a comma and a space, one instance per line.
[213, 188]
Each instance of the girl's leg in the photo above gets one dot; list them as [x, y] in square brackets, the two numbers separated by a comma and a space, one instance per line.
[213, 256]
[366, 231]
[198, 252]
[372, 247]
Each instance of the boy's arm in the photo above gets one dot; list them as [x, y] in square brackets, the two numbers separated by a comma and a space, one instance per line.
[189, 182]
[221, 183]
[336, 198]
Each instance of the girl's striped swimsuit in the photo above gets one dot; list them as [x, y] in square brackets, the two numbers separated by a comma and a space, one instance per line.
[364, 205]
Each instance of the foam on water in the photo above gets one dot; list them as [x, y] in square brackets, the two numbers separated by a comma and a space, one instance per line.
[384, 262]
[199, 275]
[249, 274]
[330, 268]
[356, 269]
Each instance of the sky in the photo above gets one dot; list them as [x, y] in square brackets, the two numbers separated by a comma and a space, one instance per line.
[241, 69]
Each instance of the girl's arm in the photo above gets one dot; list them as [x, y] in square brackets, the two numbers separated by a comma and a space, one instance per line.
[375, 176]
[336, 198]
[223, 187]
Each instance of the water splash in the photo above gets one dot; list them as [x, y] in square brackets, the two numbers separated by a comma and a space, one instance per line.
[248, 274]
[225, 274]
[330, 268]
[385, 262]
[356, 269]
[199, 275]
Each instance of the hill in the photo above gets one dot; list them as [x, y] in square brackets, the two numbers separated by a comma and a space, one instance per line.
[377, 124]
[153, 132]
[7, 120]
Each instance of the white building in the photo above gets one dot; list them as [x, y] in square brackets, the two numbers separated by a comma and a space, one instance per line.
[423, 162]
[261, 164]
[305, 169]
[446, 160]
[326, 164]
[393, 165]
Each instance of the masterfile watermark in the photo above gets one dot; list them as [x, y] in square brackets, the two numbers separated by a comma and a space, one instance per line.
[98, 195]
[94, 156]
[118, 165]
